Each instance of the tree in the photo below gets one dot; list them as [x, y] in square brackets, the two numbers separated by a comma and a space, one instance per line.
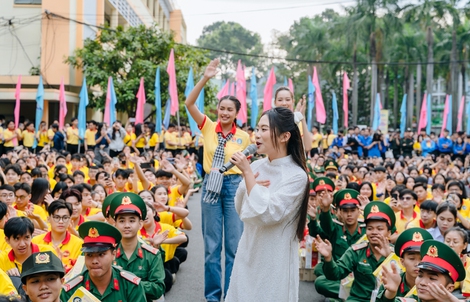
[127, 55]
[233, 39]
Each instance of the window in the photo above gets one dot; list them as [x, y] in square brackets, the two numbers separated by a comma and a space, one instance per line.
[28, 1]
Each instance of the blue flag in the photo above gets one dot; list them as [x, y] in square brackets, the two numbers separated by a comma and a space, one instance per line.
[376, 121]
[82, 109]
[449, 117]
[429, 115]
[158, 103]
[468, 118]
[403, 116]
[39, 108]
[311, 102]
[189, 88]
[334, 104]
[166, 118]
[112, 103]
[200, 101]
[254, 99]
[285, 82]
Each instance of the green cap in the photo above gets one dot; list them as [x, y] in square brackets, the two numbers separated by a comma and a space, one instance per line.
[323, 183]
[346, 198]
[378, 210]
[42, 262]
[128, 203]
[330, 164]
[318, 169]
[107, 203]
[98, 236]
[439, 257]
[411, 240]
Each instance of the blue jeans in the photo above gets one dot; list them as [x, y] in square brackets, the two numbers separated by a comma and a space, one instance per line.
[219, 219]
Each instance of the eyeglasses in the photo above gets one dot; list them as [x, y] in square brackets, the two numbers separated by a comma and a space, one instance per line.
[57, 218]
[406, 198]
[23, 197]
[8, 195]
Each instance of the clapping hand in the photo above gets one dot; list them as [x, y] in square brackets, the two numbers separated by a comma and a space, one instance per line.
[323, 247]
[159, 238]
[325, 198]
[384, 246]
[391, 280]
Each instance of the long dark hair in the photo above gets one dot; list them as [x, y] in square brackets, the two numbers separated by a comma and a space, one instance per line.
[281, 120]
[39, 190]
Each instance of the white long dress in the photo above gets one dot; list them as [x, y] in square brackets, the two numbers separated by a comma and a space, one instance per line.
[266, 266]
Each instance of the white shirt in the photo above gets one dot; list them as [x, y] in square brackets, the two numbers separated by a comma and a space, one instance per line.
[436, 234]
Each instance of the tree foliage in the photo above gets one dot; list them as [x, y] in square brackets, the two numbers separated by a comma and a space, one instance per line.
[127, 55]
[231, 38]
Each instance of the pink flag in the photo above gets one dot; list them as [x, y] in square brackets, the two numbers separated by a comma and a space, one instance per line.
[241, 92]
[224, 91]
[291, 86]
[460, 116]
[172, 88]
[444, 117]
[107, 115]
[268, 90]
[346, 86]
[62, 105]
[18, 100]
[321, 113]
[139, 113]
[232, 89]
[423, 118]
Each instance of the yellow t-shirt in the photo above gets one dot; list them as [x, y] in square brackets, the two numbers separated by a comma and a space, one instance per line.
[128, 139]
[140, 143]
[50, 136]
[161, 137]
[8, 260]
[239, 142]
[153, 140]
[171, 137]
[169, 248]
[28, 138]
[170, 218]
[7, 134]
[327, 141]
[38, 210]
[401, 221]
[72, 136]
[90, 137]
[173, 195]
[187, 139]
[316, 139]
[70, 247]
[43, 138]
[4, 246]
[6, 286]
[1, 135]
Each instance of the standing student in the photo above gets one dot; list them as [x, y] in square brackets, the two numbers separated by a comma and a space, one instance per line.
[273, 210]
[11, 137]
[219, 218]
[73, 137]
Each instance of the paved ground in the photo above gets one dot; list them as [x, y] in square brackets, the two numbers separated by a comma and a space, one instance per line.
[189, 286]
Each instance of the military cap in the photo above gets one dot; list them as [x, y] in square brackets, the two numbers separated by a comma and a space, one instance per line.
[323, 183]
[439, 257]
[378, 210]
[346, 198]
[411, 240]
[107, 203]
[330, 164]
[98, 236]
[128, 203]
[318, 169]
[42, 262]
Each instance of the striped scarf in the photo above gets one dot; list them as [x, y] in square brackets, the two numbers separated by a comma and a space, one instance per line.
[215, 178]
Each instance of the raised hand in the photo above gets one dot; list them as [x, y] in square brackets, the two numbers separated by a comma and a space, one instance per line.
[301, 105]
[159, 238]
[323, 247]
[167, 166]
[325, 198]
[211, 69]
[391, 280]
[384, 246]
[312, 210]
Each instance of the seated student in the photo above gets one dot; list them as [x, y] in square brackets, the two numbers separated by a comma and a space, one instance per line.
[446, 218]
[439, 269]
[407, 248]
[7, 196]
[175, 216]
[169, 238]
[74, 197]
[133, 184]
[164, 176]
[4, 247]
[42, 277]
[59, 236]
[89, 206]
[457, 239]
[438, 192]
[23, 203]
[27, 177]
[18, 234]
[12, 174]
[407, 214]
[120, 179]
[427, 216]
[78, 177]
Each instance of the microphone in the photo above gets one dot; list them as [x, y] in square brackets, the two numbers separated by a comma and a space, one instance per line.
[251, 149]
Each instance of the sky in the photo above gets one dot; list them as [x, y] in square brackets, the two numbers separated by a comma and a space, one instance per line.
[261, 16]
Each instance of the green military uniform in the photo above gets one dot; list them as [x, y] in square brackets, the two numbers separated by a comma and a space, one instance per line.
[436, 257]
[146, 261]
[359, 258]
[319, 171]
[99, 237]
[409, 241]
[330, 165]
[339, 237]
[319, 184]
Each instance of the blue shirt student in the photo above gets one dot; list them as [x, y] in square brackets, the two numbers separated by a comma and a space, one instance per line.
[428, 146]
[444, 141]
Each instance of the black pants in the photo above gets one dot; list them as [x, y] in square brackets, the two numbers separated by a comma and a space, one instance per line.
[114, 153]
[73, 149]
